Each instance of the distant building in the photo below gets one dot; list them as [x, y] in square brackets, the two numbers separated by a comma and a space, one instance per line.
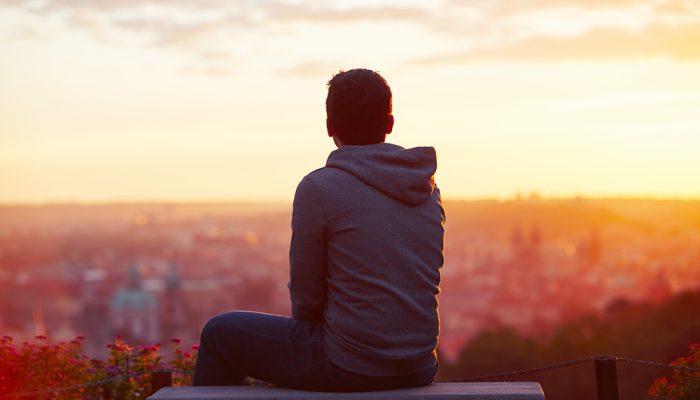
[134, 312]
[591, 252]
[517, 245]
[90, 321]
[525, 252]
[172, 313]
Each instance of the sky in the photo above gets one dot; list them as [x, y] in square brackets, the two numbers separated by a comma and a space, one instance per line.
[215, 100]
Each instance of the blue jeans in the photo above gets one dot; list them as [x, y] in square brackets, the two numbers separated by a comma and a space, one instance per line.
[284, 351]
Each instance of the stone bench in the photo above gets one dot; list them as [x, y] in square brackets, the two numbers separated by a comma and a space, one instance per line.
[437, 391]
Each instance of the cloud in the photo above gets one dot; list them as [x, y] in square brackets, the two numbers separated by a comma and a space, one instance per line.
[10, 3]
[312, 69]
[325, 14]
[201, 29]
[168, 32]
[470, 30]
[600, 43]
[549, 30]
[258, 12]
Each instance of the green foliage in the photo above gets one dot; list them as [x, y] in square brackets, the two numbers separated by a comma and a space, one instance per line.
[659, 333]
[684, 385]
[496, 349]
[61, 371]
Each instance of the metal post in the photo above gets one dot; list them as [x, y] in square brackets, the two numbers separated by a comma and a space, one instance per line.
[605, 378]
[160, 379]
[104, 392]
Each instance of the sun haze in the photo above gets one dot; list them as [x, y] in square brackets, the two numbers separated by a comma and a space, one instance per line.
[224, 100]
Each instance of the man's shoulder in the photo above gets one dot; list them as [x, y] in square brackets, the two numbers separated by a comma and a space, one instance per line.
[324, 172]
[325, 183]
[324, 176]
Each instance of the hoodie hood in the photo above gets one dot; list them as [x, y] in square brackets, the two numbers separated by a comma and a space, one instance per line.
[403, 174]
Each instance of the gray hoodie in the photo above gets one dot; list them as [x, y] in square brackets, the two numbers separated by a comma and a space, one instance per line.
[365, 257]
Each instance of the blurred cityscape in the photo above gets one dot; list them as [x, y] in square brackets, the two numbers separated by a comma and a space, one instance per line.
[150, 272]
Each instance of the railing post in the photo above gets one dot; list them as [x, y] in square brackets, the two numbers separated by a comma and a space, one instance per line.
[161, 378]
[105, 391]
[605, 378]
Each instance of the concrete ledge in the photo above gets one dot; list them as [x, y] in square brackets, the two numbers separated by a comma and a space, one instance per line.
[441, 391]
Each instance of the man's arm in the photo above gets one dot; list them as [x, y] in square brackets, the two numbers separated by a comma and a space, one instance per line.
[307, 254]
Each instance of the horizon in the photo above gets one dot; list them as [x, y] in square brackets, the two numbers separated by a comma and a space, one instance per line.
[525, 197]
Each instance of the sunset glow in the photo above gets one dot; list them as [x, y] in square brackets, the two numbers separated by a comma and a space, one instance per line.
[136, 100]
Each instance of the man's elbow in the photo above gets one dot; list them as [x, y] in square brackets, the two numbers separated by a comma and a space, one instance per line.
[308, 313]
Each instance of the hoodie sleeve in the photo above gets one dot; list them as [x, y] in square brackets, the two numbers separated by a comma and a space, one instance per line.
[307, 254]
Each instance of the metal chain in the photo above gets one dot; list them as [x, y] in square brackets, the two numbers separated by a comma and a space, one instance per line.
[526, 371]
[656, 364]
[571, 363]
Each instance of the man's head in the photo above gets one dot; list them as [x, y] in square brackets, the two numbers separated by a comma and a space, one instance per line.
[358, 108]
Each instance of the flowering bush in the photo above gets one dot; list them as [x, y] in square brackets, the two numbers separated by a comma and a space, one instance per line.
[685, 384]
[40, 370]
[183, 363]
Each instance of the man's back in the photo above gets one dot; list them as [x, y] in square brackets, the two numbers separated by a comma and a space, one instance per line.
[365, 259]
[370, 223]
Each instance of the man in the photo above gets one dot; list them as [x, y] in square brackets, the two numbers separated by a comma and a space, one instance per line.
[365, 259]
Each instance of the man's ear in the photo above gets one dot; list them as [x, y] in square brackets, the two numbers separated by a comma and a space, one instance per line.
[329, 128]
[389, 124]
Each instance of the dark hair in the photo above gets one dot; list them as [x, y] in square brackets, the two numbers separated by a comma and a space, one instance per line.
[358, 106]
